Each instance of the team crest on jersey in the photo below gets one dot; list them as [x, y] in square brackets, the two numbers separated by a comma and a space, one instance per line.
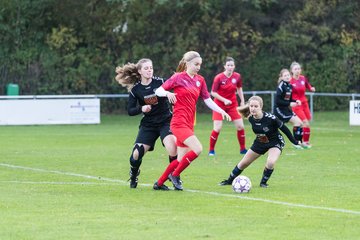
[197, 83]
[266, 129]
[151, 99]
[233, 80]
[287, 96]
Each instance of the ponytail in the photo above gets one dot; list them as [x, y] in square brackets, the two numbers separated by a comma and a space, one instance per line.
[127, 75]
[244, 110]
[188, 56]
[182, 66]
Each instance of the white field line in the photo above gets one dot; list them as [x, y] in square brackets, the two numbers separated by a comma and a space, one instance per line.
[60, 183]
[187, 190]
[353, 130]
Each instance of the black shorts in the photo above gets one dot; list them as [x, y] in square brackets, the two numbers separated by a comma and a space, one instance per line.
[262, 148]
[284, 114]
[149, 135]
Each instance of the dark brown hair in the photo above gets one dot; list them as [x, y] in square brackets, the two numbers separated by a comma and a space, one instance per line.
[229, 59]
[128, 74]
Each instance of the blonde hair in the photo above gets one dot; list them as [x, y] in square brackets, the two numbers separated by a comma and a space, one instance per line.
[245, 110]
[281, 73]
[257, 98]
[128, 74]
[188, 56]
[293, 64]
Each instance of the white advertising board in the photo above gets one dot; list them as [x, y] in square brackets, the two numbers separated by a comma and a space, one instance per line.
[354, 113]
[49, 111]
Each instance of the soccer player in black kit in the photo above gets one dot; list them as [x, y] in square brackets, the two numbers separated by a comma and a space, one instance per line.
[141, 84]
[268, 139]
[283, 104]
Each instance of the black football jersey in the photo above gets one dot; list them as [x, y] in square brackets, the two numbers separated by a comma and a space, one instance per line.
[266, 128]
[141, 95]
[283, 95]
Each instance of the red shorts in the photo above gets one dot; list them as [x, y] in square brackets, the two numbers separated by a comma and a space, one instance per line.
[302, 111]
[234, 114]
[181, 135]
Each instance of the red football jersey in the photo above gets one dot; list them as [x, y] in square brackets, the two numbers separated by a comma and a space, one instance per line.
[187, 92]
[299, 88]
[226, 87]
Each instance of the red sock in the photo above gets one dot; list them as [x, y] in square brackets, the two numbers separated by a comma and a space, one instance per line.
[241, 138]
[170, 168]
[185, 162]
[213, 138]
[306, 134]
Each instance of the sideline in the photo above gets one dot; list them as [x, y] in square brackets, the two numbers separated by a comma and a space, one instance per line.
[186, 190]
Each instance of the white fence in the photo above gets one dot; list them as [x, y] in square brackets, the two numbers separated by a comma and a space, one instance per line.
[310, 95]
[86, 111]
[51, 109]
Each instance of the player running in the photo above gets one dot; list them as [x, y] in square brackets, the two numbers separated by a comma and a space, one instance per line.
[141, 84]
[187, 85]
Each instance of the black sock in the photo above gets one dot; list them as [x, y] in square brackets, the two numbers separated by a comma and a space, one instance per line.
[172, 158]
[235, 172]
[298, 133]
[266, 175]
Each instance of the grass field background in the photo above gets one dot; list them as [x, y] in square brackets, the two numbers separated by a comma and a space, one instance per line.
[70, 182]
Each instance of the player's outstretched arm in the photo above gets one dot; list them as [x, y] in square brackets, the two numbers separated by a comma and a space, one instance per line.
[213, 106]
[288, 134]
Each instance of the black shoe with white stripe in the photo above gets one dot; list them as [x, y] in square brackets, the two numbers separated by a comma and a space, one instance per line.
[133, 178]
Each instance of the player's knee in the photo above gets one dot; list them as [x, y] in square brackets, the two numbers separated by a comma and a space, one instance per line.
[138, 152]
[239, 128]
[306, 123]
[270, 164]
[217, 128]
[298, 123]
[199, 150]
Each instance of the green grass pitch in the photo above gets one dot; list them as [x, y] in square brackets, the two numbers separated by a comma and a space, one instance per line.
[70, 182]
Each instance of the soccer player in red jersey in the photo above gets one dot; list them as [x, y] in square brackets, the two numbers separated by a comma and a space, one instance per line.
[224, 89]
[187, 86]
[299, 86]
